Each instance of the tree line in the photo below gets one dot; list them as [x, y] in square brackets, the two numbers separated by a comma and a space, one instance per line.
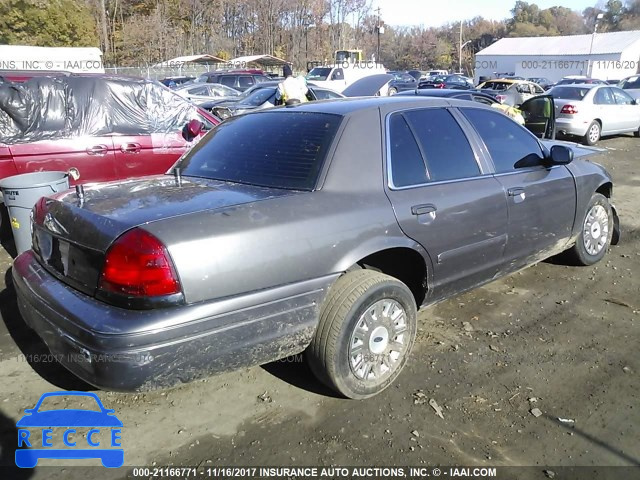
[145, 32]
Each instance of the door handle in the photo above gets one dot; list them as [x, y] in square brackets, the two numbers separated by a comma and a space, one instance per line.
[514, 192]
[423, 209]
[97, 150]
[130, 148]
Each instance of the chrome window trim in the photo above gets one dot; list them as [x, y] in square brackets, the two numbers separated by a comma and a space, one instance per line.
[389, 167]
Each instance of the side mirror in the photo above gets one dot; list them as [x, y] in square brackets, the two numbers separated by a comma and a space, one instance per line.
[561, 155]
[194, 127]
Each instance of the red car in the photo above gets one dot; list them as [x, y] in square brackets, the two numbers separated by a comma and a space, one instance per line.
[106, 127]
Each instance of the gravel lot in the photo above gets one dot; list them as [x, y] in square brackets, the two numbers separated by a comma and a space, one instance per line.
[560, 339]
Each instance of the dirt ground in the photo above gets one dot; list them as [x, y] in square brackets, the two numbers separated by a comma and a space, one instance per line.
[560, 339]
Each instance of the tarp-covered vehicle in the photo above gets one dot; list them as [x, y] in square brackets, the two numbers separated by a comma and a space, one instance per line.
[105, 127]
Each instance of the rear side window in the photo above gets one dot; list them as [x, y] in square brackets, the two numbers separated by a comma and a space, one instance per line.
[446, 149]
[507, 142]
[633, 82]
[273, 149]
[407, 165]
[604, 97]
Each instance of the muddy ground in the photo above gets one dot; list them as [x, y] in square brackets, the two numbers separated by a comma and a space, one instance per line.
[561, 339]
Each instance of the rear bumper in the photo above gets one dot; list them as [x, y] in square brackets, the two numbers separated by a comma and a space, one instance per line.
[126, 350]
[572, 126]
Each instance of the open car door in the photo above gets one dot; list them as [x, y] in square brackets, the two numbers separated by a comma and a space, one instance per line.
[539, 116]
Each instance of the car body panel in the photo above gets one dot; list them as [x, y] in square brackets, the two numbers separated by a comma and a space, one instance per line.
[509, 91]
[255, 263]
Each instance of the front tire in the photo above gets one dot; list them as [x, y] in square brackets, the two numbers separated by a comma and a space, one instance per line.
[366, 330]
[637, 132]
[596, 232]
[593, 133]
[393, 91]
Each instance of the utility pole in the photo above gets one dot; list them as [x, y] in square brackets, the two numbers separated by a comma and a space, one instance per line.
[378, 27]
[599, 17]
[460, 50]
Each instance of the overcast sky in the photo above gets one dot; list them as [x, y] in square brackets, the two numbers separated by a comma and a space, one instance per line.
[433, 13]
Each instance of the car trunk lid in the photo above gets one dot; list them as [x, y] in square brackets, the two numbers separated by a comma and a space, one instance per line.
[73, 230]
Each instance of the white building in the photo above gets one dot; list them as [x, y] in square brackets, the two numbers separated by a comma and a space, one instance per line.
[607, 56]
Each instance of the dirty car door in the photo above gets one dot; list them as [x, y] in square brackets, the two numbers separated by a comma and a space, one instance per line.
[442, 199]
[541, 200]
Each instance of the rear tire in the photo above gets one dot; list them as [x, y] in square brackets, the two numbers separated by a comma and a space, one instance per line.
[593, 133]
[637, 132]
[596, 232]
[393, 91]
[367, 327]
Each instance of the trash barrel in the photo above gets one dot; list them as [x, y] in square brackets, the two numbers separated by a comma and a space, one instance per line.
[21, 192]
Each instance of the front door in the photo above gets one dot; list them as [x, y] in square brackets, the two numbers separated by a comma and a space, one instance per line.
[443, 201]
[539, 116]
[541, 201]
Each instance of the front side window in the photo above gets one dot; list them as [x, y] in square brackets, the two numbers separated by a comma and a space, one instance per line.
[509, 144]
[621, 97]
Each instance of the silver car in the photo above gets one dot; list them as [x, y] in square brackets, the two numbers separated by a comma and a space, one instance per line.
[592, 111]
[321, 227]
[203, 92]
[511, 92]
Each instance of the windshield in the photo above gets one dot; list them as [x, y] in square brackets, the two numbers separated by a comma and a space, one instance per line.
[281, 149]
[568, 93]
[319, 73]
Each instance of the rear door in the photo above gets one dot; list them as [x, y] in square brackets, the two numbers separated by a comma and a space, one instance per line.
[93, 157]
[443, 198]
[541, 201]
[629, 111]
[607, 111]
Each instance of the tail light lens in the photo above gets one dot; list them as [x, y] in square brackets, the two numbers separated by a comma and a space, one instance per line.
[569, 109]
[501, 98]
[440, 85]
[138, 265]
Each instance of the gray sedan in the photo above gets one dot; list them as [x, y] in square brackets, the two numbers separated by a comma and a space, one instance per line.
[592, 111]
[321, 228]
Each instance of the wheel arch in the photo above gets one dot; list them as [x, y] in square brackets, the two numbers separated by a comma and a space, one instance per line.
[401, 258]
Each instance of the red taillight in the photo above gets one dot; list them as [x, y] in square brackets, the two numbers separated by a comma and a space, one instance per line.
[138, 264]
[440, 85]
[570, 109]
[501, 98]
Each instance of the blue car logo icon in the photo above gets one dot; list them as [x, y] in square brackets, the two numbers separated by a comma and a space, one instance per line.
[36, 428]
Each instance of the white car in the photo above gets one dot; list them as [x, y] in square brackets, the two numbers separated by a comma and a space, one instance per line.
[592, 111]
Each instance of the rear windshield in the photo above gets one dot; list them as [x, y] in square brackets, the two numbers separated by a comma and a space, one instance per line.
[497, 85]
[274, 149]
[568, 93]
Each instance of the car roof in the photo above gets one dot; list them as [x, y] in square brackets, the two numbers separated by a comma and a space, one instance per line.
[441, 92]
[348, 106]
